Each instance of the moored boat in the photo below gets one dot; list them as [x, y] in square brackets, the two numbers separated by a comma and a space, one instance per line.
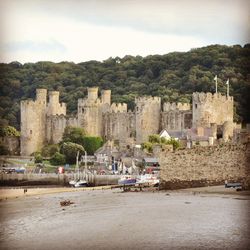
[126, 179]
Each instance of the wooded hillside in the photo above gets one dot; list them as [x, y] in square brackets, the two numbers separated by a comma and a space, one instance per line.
[173, 77]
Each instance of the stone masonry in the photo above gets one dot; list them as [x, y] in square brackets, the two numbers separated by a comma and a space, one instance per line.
[44, 122]
[201, 166]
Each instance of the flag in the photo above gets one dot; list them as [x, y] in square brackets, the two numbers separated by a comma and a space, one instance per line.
[227, 82]
[215, 78]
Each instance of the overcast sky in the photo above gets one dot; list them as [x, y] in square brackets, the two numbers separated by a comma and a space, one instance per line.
[81, 30]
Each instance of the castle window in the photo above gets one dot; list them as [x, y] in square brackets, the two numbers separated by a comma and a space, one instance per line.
[31, 132]
[83, 110]
[196, 106]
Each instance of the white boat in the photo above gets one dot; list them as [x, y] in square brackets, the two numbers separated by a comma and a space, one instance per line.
[148, 179]
[78, 182]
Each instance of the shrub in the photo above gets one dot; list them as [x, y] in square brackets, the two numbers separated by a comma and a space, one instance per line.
[50, 150]
[57, 159]
[38, 157]
[176, 144]
[148, 146]
[154, 139]
[9, 131]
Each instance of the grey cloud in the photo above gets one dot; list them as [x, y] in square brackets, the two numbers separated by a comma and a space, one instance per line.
[35, 46]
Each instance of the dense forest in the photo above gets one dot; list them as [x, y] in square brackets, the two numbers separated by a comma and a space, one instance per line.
[173, 77]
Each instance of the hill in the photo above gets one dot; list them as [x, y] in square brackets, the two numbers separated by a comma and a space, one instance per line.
[173, 77]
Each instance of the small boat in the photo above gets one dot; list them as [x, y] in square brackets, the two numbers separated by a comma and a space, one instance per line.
[126, 180]
[148, 179]
[78, 182]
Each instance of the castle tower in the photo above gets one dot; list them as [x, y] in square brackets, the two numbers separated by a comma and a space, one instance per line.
[147, 118]
[90, 113]
[211, 108]
[41, 96]
[33, 123]
[106, 97]
[92, 94]
[54, 107]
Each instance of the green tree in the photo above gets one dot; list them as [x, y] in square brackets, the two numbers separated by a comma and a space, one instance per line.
[92, 143]
[74, 134]
[50, 150]
[38, 157]
[58, 159]
[69, 150]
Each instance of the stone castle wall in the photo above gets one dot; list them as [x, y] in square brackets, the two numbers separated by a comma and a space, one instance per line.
[176, 119]
[119, 126]
[33, 123]
[43, 122]
[200, 166]
[211, 108]
[147, 117]
[55, 126]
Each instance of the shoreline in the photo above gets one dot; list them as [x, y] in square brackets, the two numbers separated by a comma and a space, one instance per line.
[18, 192]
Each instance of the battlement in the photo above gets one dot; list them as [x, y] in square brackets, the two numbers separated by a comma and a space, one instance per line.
[176, 106]
[85, 102]
[28, 103]
[41, 94]
[201, 97]
[53, 97]
[119, 107]
[148, 99]
[92, 93]
[106, 97]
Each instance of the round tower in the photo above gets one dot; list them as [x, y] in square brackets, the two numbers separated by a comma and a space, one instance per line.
[106, 97]
[92, 93]
[41, 95]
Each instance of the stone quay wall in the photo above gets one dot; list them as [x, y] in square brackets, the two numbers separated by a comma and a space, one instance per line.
[29, 179]
[203, 166]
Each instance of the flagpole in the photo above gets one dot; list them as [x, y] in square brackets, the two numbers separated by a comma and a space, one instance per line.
[215, 78]
[227, 88]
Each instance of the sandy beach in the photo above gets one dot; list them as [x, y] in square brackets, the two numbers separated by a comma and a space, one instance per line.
[112, 219]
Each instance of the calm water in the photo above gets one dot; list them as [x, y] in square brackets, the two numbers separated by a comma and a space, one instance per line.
[114, 220]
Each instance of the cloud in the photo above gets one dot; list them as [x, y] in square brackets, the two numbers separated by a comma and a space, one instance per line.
[35, 46]
[95, 30]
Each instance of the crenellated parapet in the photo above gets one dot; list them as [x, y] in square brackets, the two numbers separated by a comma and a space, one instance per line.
[118, 107]
[211, 108]
[148, 99]
[167, 106]
[54, 106]
[201, 97]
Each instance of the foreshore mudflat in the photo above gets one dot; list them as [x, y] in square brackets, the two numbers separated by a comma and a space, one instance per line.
[113, 219]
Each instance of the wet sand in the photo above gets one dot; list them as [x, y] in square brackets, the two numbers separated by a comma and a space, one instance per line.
[111, 219]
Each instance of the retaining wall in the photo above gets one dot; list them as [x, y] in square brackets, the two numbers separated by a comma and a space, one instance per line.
[18, 179]
[203, 166]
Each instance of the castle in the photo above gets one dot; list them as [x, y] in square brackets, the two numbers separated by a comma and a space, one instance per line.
[44, 122]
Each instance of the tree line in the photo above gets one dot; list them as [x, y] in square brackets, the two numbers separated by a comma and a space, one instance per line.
[173, 77]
